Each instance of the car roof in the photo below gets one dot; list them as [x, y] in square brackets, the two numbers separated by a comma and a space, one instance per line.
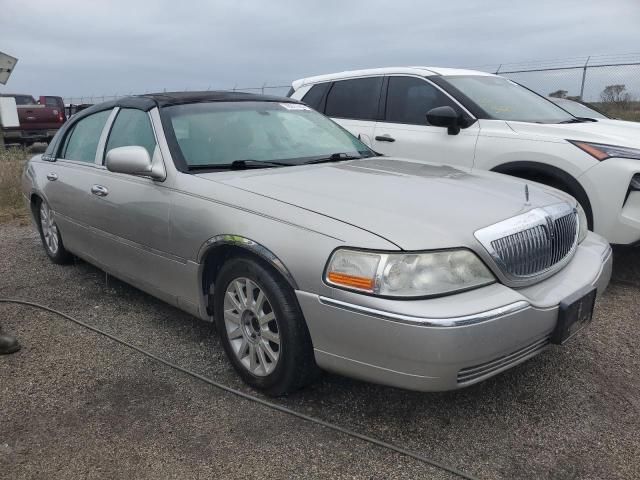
[421, 71]
[149, 101]
[177, 98]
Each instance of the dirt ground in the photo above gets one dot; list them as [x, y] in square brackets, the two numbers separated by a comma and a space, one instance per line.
[74, 404]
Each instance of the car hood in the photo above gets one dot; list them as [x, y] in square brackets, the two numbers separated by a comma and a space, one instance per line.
[611, 132]
[414, 205]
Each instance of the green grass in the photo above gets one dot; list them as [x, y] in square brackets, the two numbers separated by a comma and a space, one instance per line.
[12, 162]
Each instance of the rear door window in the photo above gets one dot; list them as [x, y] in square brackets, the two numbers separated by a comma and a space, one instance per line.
[410, 98]
[356, 99]
[314, 97]
[82, 142]
[132, 128]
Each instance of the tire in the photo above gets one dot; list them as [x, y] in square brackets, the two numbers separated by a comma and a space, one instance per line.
[552, 177]
[580, 198]
[50, 234]
[262, 328]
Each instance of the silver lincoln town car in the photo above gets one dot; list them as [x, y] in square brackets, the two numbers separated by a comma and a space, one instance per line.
[311, 251]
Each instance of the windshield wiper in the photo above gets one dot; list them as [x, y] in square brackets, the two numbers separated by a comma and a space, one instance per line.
[240, 165]
[245, 164]
[578, 120]
[335, 157]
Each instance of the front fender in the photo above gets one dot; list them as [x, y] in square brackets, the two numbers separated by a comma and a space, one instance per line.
[251, 246]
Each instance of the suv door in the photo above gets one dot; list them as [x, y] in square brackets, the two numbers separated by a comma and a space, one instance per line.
[67, 185]
[405, 132]
[354, 104]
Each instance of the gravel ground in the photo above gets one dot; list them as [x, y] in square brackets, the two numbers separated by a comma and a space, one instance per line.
[77, 405]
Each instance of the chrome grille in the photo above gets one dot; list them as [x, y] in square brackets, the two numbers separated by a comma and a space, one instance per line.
[538, 248]
[529, 245]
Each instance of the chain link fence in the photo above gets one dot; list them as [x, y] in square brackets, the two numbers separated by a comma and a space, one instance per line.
[611, 83]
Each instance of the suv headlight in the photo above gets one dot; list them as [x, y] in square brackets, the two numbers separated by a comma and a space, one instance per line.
[601, 151]
[407, 274]
[583, 224]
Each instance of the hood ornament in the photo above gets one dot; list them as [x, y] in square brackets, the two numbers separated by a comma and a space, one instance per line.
[526, 194]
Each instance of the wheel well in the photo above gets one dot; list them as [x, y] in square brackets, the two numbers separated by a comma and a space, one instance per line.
[217, 256]
[33, 203]
[552, 177]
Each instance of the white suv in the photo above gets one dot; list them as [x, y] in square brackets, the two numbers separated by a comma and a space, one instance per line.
[477, 120]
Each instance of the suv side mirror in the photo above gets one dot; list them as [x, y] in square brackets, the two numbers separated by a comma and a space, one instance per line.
[445, 117]
[133, 160]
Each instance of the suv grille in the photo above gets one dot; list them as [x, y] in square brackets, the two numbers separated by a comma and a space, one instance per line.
[529, 245]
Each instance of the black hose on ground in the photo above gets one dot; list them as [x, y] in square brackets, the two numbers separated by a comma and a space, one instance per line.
[250, 397]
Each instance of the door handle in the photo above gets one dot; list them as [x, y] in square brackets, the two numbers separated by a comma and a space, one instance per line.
[99, 190]
[52, 176]
[385, 138]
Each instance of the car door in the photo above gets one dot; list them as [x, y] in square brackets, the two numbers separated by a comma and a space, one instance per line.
[405, 132]
[67, 181]
[354, 104]
[130, 213]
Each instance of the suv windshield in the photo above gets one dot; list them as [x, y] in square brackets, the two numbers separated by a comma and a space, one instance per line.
[217, 134]
[503, 99]
[578, 109]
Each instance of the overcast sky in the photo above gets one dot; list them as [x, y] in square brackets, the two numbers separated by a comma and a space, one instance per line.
[82, 47]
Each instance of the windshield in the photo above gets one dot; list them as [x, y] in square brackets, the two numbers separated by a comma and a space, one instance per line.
[578, 109]
[219, 133]
[503, 99]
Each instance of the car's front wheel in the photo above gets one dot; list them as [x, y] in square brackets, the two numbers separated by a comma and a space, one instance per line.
[50, 234]
[262, 328]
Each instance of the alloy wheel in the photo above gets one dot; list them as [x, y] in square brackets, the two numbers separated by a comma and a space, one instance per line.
[251, 326]
[49, 229]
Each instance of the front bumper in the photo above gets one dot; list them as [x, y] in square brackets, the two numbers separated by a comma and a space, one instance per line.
[410, 344]
[616, 209]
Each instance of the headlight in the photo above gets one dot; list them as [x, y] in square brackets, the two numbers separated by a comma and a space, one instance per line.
[602, 152]
[583, 224]
[407, 274]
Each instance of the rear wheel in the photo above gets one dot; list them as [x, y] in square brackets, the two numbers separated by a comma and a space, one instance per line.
[50, 234]
[262, 328]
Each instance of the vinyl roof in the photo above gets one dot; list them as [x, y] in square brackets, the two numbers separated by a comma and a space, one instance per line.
[149, 101]
[176, 98]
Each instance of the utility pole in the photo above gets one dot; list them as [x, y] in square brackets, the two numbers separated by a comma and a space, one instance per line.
[584, 76]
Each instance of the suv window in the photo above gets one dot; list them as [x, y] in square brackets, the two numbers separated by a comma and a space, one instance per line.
[357, 99]
[132, 127]
[82, 142]
[410, 98]
[313, 98]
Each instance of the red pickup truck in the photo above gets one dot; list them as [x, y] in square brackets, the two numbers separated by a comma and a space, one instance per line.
[39, 121]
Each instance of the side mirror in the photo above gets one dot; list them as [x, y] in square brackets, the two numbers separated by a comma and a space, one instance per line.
[445, 117]
[133, 160]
